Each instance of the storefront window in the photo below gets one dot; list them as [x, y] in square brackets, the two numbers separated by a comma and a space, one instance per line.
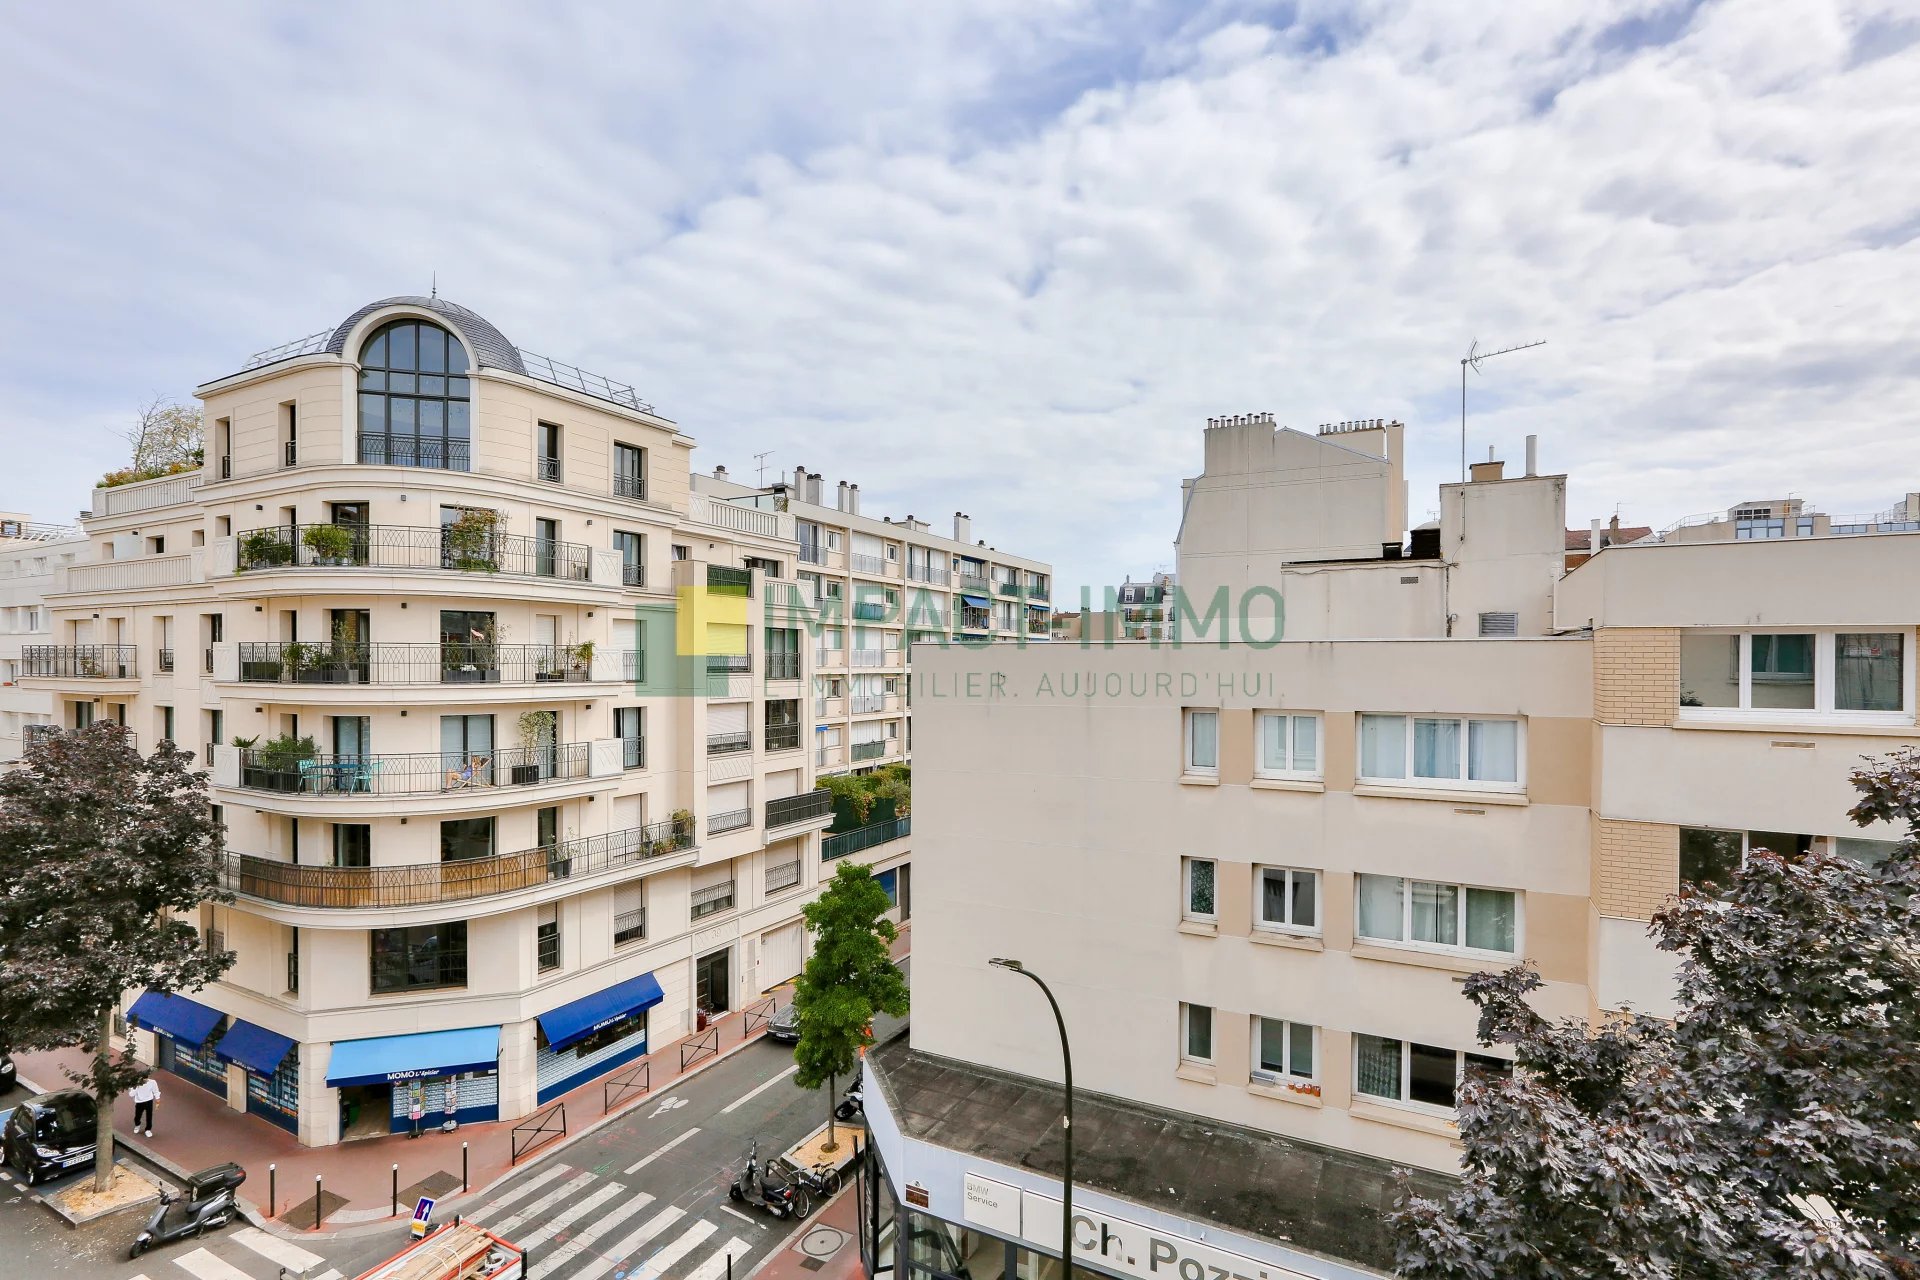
[948, 1249]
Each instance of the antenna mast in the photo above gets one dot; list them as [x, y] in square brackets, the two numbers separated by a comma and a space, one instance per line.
[761, 458]
[1473, 357]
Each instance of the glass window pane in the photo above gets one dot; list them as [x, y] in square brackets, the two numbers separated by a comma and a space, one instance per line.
[432, 386]
[375, 354]
[1273, 897]
[1383, 746]
[1376, 1066]
[456, 358]
[373, 380]
[401, 382]
[1490, 919]
[1493, 750]
[1867, 671]
[400, 417]
[1782, 672]
[1785, 843]
[1271, 1050]
[1868, 853]
[1306, 743]
[1709, 670]
[1431, 1075]
[1306, 911]
[1436, 748]
[1199, 1031]
[1200, 886]
[373, 415]
[1435, 912]
[1380, 907]
[1205, 731]
[457, 388]
[432, 418]
[403, 350]
[1273, 743]
[1708, 857]
[457, 411]
[433, 350]
[1300, 1051]
[1498, 1068]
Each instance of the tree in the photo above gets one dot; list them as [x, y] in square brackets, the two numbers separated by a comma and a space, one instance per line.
[100, 852]
[1769, 1130]
[849, 978]
[167, 438]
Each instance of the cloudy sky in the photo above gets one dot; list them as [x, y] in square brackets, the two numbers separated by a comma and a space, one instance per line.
[1010, 256]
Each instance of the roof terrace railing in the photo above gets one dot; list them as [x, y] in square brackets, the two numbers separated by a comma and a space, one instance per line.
[577, 379]
[309, 345]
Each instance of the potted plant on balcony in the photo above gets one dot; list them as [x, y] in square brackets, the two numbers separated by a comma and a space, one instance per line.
[472, 541]
[307, 663]
[537, 730]
[263, 549]
[330, 544]
[274, 765]
[579, 660]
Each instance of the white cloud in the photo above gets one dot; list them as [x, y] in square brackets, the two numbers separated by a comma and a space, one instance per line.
[1009, 258]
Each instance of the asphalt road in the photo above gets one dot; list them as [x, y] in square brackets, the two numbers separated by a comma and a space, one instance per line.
[643, 1199]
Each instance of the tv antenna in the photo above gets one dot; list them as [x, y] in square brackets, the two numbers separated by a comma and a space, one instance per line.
[761, 458]
[1473, 357]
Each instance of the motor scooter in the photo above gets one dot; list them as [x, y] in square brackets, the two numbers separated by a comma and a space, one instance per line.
[752, 1185]
[208, 1203]
[853, 1104]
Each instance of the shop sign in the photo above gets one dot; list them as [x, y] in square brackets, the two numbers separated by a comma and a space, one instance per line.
[917, 1196]
[990, 1204]
[1146, 1253]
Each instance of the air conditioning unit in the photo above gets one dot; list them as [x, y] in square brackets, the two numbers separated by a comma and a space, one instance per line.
[1265, 1077]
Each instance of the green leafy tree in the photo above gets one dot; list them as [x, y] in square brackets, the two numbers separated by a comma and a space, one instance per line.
[101, 851]
[849, 978]
[1772, 1129]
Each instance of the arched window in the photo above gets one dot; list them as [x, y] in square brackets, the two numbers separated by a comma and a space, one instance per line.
[414, 408]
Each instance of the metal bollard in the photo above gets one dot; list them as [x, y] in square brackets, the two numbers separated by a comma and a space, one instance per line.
[463, 1168]
[396, 1189]
[273, 1200]
[316, 1202]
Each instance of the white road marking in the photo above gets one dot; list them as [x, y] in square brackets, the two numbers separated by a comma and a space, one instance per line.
[618, 1252]
[274, 1249]
[572, 1213]
[668, 1103]
[745, 1098]
[526, 1188]
[683, 1244]
[540, 1206]
[331, 1273]
[670, 1145]
[594, 1231]
[205, 1266]
[727, 1208]
[716, 1266]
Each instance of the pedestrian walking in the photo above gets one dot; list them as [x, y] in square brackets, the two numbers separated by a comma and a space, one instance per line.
[144, 1095]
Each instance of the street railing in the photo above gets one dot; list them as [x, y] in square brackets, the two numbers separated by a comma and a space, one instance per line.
[544, 1126]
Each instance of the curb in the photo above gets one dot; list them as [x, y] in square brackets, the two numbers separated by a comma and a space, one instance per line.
[800, 1229]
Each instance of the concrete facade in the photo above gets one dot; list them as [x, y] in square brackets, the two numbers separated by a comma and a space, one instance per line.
[31, 555]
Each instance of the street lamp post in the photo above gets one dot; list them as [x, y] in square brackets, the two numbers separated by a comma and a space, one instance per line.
[1066, 1122]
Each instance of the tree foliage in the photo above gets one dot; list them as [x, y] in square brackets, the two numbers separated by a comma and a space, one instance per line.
[1769, 1130]
[858, 793]
[849, 978]
[166, 439]
[101, 851]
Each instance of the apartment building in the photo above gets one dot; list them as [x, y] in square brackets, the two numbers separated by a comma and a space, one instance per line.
[1146, 608]
[1255, 868]
[34, 558]
[510, 743]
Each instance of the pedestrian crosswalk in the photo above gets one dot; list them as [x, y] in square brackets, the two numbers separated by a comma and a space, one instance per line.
[259, 1257]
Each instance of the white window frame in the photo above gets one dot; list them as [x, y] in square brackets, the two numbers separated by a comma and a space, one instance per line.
[1260, 922]
[1406, 941]
[1187, 721]
[1412, 781]
[1825, 644]
[1186, 890]
[1262, 768]
[1186, 1033]
[1404, 1101]
[1285, 1075]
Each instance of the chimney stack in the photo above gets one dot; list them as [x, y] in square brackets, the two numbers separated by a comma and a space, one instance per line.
[853, 499]
[1613, 530]
[800, 483]
[1488, 470]
[962, 527]
[1593, 538]
[813, 487]
[720, 473]
[841, 503]
[1533, 455]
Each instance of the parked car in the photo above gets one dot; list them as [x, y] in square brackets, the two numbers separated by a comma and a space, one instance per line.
[49, 1134]
[9, 1074]
[784, 1026]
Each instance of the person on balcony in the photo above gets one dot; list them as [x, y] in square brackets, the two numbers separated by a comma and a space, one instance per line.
[467, 775]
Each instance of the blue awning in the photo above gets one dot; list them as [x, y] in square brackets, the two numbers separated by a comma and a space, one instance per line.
[253, 1047]
[572, 1023]
[177, 1016]
[978, 602]
[415, 1057]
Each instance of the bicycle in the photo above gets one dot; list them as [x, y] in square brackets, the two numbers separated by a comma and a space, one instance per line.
[823, 1180]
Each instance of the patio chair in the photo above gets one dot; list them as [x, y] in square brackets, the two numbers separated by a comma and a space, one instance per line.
[468, 774]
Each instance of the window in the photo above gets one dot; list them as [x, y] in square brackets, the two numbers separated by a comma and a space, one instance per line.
[464, 839]
[770, 568]
[632, 548]
[414, 403]
[629, 915]
[352, 844]
[546, 937]
[1289, 745]
[1289, 899]
[681, 551]
[1419, 1075]
[1203, 741]
[419, 957]
[1196, 1032]
[629, 725]
[166, 724]
[1852, 673]
[1283, 1050]
[1197, 875]
[547, 461]
[629, 471]
[1709, 859]
[1441, 751]
[1429, 915]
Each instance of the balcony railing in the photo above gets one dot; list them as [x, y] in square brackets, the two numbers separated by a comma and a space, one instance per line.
[971, 581]
[633, 753]
[1007, 588]
[728, 820]
[783, 666]
[424, 773]
[80, 661]
[827, 657]
[868, 750]
[728, 578]
[384, 546]
[870, 611]
[630, 926]
[166, 662]
[712, 900]
[633, 575]
[784, 876]
[927, 573]
[827, 757]
[975, 620]
[729, 664]
[867, 564]
[869, 657]
[630, 487]
[424, 883]
[864, 702]
[726, 744]
[416, 662]
[783, 737]
[409, 451]
[812, 553]
[841, 843]
[805, 807]
[549, 470]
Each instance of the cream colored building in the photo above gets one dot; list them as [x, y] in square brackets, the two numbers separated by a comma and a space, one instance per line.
[559, 790]
[1255, 874]
[34, 559]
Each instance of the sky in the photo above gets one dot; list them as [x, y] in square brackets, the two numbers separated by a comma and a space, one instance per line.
[1008, 257]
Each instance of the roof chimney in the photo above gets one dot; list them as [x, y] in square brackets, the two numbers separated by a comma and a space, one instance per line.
[1593, 538]
[800, 483]
[840, 502]
[1533, 455]
[962, 527]
[1613, 530]
[813, 487]
[853, 499]
[1488, 470]
[720, 473]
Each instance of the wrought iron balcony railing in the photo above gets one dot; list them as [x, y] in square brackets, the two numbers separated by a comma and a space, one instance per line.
[378, 450]
[784, 876]
[728, 820]
[782, 737]
[386, 546]
[726, 744]
[839, 844]
[723, 664]
[80, 661]
[712, 900]
[783, 666]
[424, 773]
[805, 807]
[419, 662]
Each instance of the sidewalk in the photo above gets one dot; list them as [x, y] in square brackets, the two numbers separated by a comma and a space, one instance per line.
[824, 1247]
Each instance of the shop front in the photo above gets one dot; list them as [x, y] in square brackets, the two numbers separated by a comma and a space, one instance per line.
[272, 1064]
[388, 1084]
[183, 1032]
[593, 1035]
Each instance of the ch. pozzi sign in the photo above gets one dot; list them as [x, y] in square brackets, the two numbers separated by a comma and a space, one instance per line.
[1109, 1243]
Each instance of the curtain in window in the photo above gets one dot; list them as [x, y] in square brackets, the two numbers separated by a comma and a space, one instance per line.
[1306, 735]
[1867, 671]
[1380, 907]
[1493, 750]
[1304, 907]
[1436, 748]
[1376, 1066]
[1205, 732]
[1490, 920]
[1273, 742]
[1383, 746]
[1435, 913]
[1200, 887]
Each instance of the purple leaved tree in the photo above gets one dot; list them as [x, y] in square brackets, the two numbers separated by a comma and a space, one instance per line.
[1771, 1129]
[102, 854]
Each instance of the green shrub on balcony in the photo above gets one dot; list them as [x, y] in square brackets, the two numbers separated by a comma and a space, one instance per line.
[264, 548]
[862, 798]
[330, 543]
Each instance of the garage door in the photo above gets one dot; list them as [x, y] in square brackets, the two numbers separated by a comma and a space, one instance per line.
[782, 954]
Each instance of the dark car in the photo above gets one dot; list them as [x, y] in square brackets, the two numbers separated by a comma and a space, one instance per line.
[784, 1026]
[49, 1134]
[9, 1074]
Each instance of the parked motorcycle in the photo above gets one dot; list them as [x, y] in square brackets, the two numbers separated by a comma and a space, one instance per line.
[853, 1104]
[755, 1185]
[208, 1203]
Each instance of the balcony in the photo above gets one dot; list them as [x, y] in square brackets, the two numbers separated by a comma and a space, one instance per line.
[629, 486]
[421, 662]
[80, 661]
[729, 664]
[873, 565]
[549, 470]
[382, 546]
[870, 657]
[784, 876]
[425, 883]
[726, 744]
[975, 620]
[783, 737]
[418, 774]
[632, 575]
[868, 751]
[1007, 588]
[828, 657]
[410, 451]
[812, 553]
[728, 820]
[166, 662]
[827, 708]
[828, 758]
[927, 573]
[725, 578]
[633, 753]
[865, 702]
[870, 611]
[712, 900]
[783, 666]
[839, 844]
[805, 807]
[974, 582]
